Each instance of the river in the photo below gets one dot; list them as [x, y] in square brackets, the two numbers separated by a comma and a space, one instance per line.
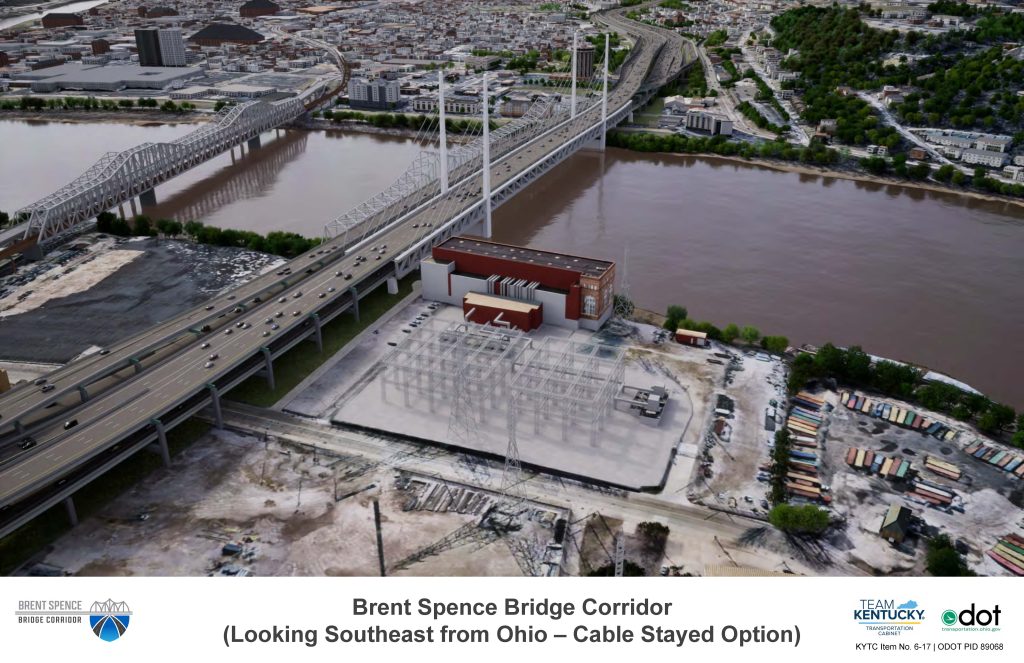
[927, 277]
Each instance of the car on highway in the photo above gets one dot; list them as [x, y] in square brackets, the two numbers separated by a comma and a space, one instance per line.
[348, 277]
[321, 295]
[27, 443]
[265, 334]
[282, 300]
[208, 364]
[210, 307]
[297, 295]
[71, 423]
[279, 314]
[214, 357]
[227, 332]
[204, 346]
[104, 352]
[275, 327]
[48, 388]
[296, 314]
[40, 381]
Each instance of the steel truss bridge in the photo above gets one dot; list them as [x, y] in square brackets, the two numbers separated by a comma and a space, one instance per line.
[127, 398]
[120, 176]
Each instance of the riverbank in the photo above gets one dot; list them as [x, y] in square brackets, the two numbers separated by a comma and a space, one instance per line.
[136, 118]
[853, 175]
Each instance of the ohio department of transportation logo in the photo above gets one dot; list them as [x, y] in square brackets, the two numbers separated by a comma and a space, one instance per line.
[109, 619]
[949, 617]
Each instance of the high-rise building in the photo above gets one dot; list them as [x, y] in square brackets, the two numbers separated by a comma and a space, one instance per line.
[379, 93]
[585, 61]
[160, 47]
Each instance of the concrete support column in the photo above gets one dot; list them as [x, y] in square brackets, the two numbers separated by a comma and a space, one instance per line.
[83, 393]
[137, 364]
[392, 285]
[135, 210]
[120, 209]
[270, 366]
[161, 435]
[254, 143]
[218, 416]
[232, 150]
[147, 198]
[69, 506]
[317, 331]
[355, 302]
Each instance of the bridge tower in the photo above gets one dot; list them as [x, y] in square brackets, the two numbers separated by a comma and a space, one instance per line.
[443, 130]
[572, 102]
[487, 161]
[604, 96]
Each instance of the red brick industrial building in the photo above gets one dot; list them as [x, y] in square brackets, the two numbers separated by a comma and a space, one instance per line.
[564, 290]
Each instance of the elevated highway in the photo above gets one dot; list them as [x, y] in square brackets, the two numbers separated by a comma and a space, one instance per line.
[104, 408]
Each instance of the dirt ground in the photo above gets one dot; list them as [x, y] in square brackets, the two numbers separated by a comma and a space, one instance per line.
[283, 507]
[982, 513]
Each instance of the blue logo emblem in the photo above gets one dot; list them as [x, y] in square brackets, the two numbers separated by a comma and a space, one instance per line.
[109, 619]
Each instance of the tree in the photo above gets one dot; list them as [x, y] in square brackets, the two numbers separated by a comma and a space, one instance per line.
[143, 226]
[193, 228]
[775, 344]
[105, 222]
[674, 317]
[120, 227]
[169, 227]
[803, 519]
[995, 418]
[4, 219]
[1018, 439]
[942, 558]
[750, 334]
[730, 333]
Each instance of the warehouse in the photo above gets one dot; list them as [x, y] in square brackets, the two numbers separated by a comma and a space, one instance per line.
[568, 291]
[108, 78]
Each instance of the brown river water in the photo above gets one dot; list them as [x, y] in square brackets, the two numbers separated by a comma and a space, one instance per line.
[927, 277]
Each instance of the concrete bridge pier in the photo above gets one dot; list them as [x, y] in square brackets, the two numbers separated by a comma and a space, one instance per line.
[83, 393]
[232, 151]
[135, 211]
[165, 452]
[147, 199]
[392, 285]
[269, 369]
[355, 302]
[120, 209]
[218, 416]
[69, 506]
[317, 331]
[254, 143]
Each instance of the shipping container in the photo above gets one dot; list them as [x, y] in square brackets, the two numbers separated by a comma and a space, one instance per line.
[860, 458]
[851, 455]
[998, 457]
[904, 467]
[886, 466]
[869, 458]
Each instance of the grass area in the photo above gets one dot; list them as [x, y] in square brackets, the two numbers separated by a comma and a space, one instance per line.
[295, 365]
[33, 537]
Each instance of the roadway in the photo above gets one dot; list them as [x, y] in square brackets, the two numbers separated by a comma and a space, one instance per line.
[243, 321]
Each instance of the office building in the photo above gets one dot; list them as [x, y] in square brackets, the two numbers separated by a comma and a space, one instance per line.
[585, 61]
[160, 47]
[376, 94]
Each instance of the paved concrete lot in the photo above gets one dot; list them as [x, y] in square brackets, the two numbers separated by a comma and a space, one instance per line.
[625, 452]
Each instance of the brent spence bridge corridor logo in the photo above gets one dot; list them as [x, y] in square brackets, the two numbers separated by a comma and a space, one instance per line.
[888, 617]
[108, 619]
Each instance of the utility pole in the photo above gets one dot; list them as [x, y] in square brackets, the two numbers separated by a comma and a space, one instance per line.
[604, 97]
[487, 163]
[444, 131]
[572, 103]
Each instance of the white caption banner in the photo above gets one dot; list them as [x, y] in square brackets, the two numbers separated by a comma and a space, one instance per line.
[506, 619]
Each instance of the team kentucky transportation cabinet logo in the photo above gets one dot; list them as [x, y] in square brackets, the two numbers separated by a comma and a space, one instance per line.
[888, 617]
